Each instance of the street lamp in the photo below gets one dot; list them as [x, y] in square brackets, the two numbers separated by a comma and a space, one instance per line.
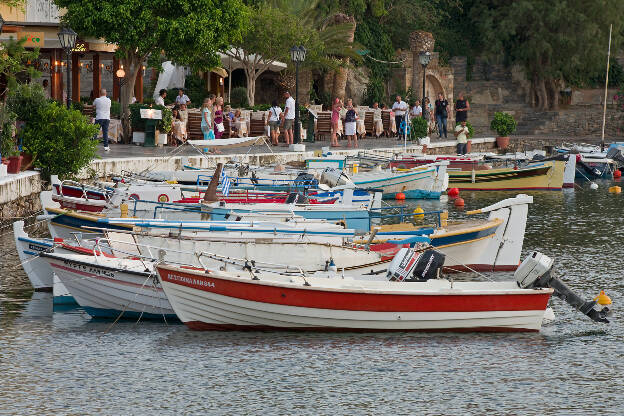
[424, 58]
[67, 37]
[297, 54]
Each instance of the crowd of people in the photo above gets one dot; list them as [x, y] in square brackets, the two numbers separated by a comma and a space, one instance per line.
[213, 114]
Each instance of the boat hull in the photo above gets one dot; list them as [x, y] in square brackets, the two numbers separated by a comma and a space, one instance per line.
[105, 290]
[209, 301]
[545, 177]
[418, 184]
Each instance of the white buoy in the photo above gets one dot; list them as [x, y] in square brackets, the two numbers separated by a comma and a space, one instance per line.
[593, 186]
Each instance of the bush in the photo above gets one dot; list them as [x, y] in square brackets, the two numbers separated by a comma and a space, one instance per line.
[503, 124]
[164, 125]
[61, 141]
[25, 100]
[7, 132]
[115, 110]
[238, 97]
[195, 89]
[374, 92]
[260, 107]
[419, 128]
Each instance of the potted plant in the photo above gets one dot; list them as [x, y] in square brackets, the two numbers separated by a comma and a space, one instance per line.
[164, 125]
[419, 130]
[503, 124]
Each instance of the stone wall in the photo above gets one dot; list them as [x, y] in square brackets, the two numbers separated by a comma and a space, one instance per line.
[19, 195]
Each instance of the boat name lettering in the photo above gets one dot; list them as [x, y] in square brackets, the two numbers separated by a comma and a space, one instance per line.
[36, 247]
[189, 280]
[89, 269]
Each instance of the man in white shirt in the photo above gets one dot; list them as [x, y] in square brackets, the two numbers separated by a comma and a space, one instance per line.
[399, 107]
[160, 100]
[461, 132]
[182, 98]
[416, 110]
[289, 118]
[102, 106]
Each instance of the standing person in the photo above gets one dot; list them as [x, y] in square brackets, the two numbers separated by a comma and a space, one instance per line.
[441, 114]
[206, 121]
[46, 88]
[219, 128]
[275, 113]
[289, 118]
[416, 110]
[461, 133]
[351, 124]
[335, 122]
[461, 108]
[160, 100]
[177, 133]
[399, 107]
[102, 106]
[183, 112]
[182, 98]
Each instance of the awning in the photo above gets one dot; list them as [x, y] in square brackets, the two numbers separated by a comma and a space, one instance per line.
[220, 71]
[232, 63]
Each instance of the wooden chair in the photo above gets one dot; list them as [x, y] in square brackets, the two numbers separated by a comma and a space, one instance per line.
[193, 126]
[227, 133]
[369, 123]
[257, 124]
[323, 125]
[385, 118]
[88, 110]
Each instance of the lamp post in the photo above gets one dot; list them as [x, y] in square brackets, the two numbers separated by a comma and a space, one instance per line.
[67, 37]
[424, 58]
[297, 54]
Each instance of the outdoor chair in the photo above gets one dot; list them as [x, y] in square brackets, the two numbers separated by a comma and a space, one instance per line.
[227, 124]
[193, 127]
[385, 118]
[257, 124]
[369, 123]
[323, 125]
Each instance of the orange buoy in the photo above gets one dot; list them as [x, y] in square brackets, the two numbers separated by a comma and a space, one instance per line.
[617, 174]
[453, 192]
[400, 196]
[459, 202]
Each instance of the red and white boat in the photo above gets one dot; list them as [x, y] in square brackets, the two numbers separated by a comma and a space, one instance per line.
[207, 299]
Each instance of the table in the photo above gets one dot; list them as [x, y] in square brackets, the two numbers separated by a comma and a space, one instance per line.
[114, 130]
[242, 127]
[179, 130]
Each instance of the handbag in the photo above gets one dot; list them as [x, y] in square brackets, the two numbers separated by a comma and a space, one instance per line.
[220, 127]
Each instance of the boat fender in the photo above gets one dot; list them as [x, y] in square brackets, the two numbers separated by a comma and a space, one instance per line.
[536, 272]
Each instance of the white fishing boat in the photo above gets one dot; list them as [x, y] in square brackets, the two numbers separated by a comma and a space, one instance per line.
[28, 250]
[413, 298]
[108, 287]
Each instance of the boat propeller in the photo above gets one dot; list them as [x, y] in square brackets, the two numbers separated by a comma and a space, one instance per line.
[536, 272]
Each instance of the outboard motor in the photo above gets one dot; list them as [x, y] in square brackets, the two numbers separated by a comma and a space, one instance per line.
[335, 177]
[536, 272]
[306, 180]
[296, 198]
[411, 266]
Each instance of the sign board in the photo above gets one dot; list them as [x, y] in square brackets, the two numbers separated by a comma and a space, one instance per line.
[81, 46]
[151, 113]
[33, 39]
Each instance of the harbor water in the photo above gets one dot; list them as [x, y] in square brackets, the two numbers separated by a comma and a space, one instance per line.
[62, 362]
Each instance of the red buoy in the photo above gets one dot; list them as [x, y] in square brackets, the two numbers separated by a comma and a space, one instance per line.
[459, 202]
[617, 174]
[453, 192]
[400, 196]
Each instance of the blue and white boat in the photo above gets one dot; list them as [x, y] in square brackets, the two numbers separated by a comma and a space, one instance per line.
[423, 182]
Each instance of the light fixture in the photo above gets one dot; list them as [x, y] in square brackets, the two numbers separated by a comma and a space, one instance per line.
[120, 73]
[424, 58]
[67, 37]
[297, 54]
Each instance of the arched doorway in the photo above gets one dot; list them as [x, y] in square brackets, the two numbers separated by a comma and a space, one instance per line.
[433, 87]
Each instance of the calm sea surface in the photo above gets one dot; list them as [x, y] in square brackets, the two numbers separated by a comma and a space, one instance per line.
[61, 362]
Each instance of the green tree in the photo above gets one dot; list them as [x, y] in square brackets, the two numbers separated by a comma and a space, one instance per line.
[270, 34]
[13, 64]
[552, 41]
[189, 32]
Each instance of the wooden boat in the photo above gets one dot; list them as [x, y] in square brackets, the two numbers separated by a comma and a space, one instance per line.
[544, 176]
[111, 287]
[214, 299]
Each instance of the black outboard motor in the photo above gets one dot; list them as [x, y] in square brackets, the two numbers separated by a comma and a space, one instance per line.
[536, 272]
[411, 266]
[296, 198]
[306, 180]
